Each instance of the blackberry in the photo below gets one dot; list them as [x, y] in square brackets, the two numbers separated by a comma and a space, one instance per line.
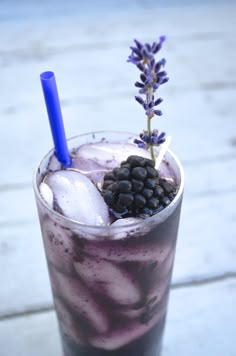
[135, 188]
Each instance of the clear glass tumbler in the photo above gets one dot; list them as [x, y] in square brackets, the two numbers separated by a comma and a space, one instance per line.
[110, 284]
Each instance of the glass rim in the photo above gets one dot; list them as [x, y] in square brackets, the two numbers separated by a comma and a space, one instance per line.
[107, 227]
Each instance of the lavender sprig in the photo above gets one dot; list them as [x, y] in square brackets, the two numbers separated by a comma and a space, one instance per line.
[151, 77]
[147, 140]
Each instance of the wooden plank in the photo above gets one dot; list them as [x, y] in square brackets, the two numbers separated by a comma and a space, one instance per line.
[181, 20]
[202, 126]
[13, 11]
[12, 213]
[23, 270]
[192, 64]
[194, 60]
[30, 335]
[206, 244]
[98, 89]
[202, 179]
[206, 249]
[200, 322]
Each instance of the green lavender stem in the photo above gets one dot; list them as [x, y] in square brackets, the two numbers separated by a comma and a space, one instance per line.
[149, 133]
[149, 118]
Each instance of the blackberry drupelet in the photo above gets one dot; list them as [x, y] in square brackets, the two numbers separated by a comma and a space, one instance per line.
[135, 188]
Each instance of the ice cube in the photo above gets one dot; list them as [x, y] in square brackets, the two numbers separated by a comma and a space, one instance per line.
[124, 229]
[109, 155]
[80, 299]
[130, 313]
[67, 322]
[78, 198]
[166, 171]
[156, 277]
[130, 331]
[159, 290]
[53, 164]
[109, 279]
[94, 171]
[59, 246]
[46, 194]
[165, 267]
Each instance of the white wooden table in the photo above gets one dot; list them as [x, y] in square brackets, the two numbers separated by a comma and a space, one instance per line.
[87, 48]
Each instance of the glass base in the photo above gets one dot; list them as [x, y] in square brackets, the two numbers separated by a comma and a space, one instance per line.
[147, 345]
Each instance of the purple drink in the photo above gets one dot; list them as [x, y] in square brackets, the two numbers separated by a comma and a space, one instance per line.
[110, 280]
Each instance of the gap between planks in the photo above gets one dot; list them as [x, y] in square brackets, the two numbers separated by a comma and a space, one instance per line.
[104, 45]
[174, 286]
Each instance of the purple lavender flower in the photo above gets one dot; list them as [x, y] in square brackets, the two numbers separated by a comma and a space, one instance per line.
[150, 139]
[151, 78]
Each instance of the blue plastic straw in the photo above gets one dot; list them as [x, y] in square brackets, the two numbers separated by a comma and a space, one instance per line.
[55, 117]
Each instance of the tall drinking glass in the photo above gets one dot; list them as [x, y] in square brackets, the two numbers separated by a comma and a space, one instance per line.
[110, 284]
